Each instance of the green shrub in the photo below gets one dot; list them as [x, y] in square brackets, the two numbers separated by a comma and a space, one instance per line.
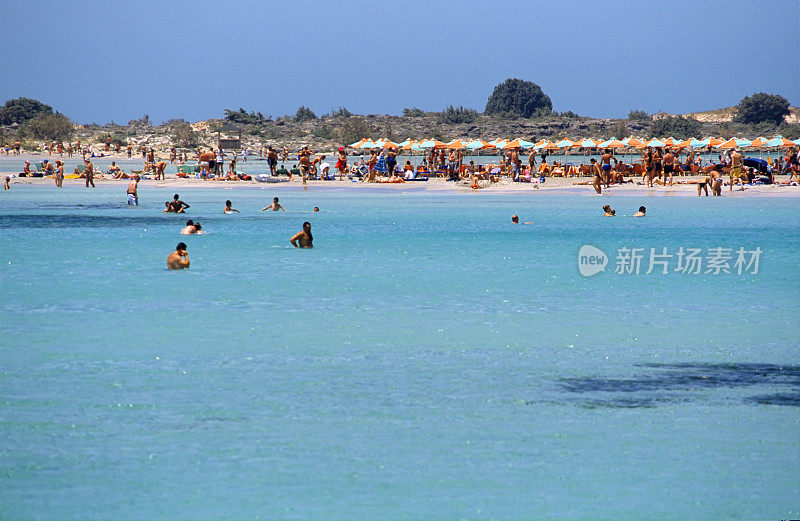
[20, 110]
[638, 115]
[413, 112]
[304, 114]
[520, 98]
[453, 116]
[48, 126]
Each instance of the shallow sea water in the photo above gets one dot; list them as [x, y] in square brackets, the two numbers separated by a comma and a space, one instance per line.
[426, 359]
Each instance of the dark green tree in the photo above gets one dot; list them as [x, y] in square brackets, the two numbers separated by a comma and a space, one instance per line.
[638, 115]
[519, 98]
[455, 115]
[48, 126]
[762, 107]
[21, 110]
[678, 127]
[304, 114]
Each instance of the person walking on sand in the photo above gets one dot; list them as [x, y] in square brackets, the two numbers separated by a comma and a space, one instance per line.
[178, 259]
[303, 239]
[275, 206]
[597, 182]
[133, 194]
[89, 173]
[736, 169]
[341, 163]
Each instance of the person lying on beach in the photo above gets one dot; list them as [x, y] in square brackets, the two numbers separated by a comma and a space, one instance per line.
[275, 206]
[608, 211]
[229, 209]
[179, 259]
[189, 229]
[177, 205]
[304, 238]
[641, 212]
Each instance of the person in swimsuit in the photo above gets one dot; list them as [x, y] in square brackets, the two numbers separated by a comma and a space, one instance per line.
[641, 212]
[716, 183]
[605, 161]
[133, 195]
[669, 166]
[177, 206]
[303, 239]
[391, 160]
[736, 169]
[657, 163]
[89, 172]
[272, 160]
[597, 182]
[7, 185]
[275, 206]
[608, 211]
[179, 259]
[702, 185]
[229, 209]
[59, 174]
[158, 169]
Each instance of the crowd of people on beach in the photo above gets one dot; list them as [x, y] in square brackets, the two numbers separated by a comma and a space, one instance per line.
[657, 166]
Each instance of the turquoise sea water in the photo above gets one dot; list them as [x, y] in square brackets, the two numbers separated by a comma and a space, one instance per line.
[427, 359]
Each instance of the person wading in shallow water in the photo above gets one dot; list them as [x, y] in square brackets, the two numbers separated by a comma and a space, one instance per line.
[304, 238]
[178, 259]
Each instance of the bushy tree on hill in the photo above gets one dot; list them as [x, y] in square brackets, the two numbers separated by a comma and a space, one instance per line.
[519, 98]
[48, 126]
[638, 115]
[21, 110]
[241, 117]
[453, 116]
[678, 127]
[304, 114]
[413, 112]
[762, 107]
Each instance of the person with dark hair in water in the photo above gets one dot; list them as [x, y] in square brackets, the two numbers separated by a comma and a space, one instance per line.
[177, 206]
[189, 229]
[608, 211]
[275, 206]
[641, 212]
[304, 238]
[229, 209]
[178, 259]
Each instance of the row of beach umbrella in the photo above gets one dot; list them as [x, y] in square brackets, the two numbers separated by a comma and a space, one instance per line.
[565, 144]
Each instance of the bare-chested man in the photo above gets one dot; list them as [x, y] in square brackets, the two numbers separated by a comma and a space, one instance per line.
[303, 239]
[305, 165]
[179, 259]
[158, 169]
[605, 165]
[89, 173]
[133, 194]
[669, 166]
[274, 207]
[272, 160]
[716, 183]
[532, 160]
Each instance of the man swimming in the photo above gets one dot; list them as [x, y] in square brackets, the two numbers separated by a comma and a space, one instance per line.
[641, 212]
[189, 229]
[229, 209]
[275, 206]
[133, 195]
[178, 259]
[608, 211]
[304, 238]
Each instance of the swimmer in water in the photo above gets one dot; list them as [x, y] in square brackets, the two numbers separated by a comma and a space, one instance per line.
[178, 259]
[7, 186]
[608, 211]
[641, 212]
[515, 220]
[275, 206]
[189, 229]
[177, 205]
[198, 228]
[316, 208]
[304, 238]
[228, 208]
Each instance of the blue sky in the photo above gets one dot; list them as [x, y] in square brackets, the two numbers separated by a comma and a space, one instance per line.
[117, 60]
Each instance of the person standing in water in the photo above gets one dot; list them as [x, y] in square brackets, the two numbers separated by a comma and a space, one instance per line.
[178, 259]
[275, 206]
[304, 238]
[133, 195]
[89, 173]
